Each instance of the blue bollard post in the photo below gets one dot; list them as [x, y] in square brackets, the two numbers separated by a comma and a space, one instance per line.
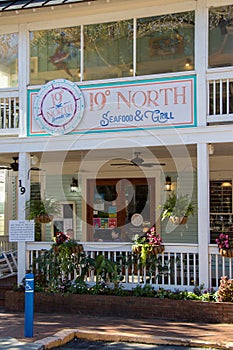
[29, 305]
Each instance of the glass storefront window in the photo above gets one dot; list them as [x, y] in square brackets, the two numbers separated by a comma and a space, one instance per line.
[108, 50]
[165, 43]
[54, 54]
[9, 60]
[220, 36]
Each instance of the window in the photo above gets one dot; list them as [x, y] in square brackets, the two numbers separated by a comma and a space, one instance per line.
[54, 54]
[9, 60]
[165, 43]
[220, 208]
[220, 36]
[108, 50]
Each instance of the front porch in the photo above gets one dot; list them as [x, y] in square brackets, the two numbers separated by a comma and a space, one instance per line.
[190, 250]
[182, 261]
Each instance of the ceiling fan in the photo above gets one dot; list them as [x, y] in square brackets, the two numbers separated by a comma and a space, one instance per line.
[138, 161]
[15, 166]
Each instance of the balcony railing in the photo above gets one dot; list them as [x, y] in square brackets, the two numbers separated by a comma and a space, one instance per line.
[220, 97]
[9, 112]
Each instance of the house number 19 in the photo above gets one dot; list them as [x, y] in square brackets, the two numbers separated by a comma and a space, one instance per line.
[22, 188]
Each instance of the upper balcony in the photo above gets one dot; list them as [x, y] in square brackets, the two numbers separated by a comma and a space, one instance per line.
[135, 48]
[9, 108]
[220, 96]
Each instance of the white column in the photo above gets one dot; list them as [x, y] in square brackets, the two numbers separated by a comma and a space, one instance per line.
[23, 196]
[23, 78]
[201, 59]
[203, 212]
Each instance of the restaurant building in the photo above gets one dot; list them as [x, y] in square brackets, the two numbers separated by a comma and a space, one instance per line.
[110, 106]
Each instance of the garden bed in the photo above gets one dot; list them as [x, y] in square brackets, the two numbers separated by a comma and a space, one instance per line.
[124, 306]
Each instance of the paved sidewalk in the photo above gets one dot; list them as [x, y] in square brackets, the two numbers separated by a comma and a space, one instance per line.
[51, 330]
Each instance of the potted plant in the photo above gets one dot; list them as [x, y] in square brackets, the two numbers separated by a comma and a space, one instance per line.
[177, 208]
[225, 245]
[64, 243]
[148, 244]
[42, 211]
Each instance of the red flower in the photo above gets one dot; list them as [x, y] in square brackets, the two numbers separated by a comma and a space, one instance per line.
[61, 238]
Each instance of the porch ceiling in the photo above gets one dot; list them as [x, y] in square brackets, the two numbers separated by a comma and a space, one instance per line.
[159, 153]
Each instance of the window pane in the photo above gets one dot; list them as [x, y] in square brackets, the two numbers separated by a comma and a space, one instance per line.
[108, 50]
[165, 43]
[55, 54]
[221, 36]
[9, 60]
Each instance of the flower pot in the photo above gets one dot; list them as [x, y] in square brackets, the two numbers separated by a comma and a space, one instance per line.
[136, 249]
[157, 249]
[227, 252]
[178, 220]
[56, 248]
[43, 219]
[77, 249]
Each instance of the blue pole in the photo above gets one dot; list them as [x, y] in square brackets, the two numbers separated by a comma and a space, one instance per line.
[29, 305]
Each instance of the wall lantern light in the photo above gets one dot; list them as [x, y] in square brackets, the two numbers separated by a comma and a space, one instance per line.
[74, 185]
[168, 183]
[226, 184]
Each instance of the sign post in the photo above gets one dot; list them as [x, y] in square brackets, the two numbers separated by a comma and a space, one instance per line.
[29, 305]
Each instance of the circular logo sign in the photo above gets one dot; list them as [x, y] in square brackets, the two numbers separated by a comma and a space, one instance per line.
[59, 107]
[137, 219]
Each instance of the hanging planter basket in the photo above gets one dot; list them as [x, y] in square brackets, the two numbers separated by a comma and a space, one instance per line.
[43, 219]
[178, 220]
[136, 249]
[157, 249]
[77, 248]
[226, 252]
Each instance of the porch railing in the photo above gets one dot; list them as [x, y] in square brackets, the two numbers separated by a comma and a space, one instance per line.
[9, 112]
[220, 96]
[218, 266]
[181, 261]
[5, 245]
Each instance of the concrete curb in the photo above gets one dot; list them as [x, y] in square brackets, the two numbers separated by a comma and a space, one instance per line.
[62, 337]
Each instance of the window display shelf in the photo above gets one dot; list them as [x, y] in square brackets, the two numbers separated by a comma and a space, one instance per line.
[221, 196]
[221, 213]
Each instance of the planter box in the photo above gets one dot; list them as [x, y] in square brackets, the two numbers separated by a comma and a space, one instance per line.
[129, 307]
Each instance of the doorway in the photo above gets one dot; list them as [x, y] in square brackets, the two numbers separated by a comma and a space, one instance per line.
[125, 204]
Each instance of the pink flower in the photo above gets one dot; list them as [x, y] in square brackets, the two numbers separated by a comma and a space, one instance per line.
[223, 241]
[153, 237]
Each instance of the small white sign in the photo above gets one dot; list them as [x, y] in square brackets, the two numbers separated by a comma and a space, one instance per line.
[21, 231]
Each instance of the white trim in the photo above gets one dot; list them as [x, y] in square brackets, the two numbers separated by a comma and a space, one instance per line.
[203, 211]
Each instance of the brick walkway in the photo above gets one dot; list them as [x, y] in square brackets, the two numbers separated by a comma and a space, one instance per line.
[54, 330]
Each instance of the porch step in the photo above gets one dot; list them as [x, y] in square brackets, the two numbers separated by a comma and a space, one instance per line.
[6, 284]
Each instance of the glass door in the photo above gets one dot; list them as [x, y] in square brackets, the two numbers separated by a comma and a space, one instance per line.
[127, 205]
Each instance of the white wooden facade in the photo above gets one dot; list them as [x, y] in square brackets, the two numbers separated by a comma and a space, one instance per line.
[184, 150]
